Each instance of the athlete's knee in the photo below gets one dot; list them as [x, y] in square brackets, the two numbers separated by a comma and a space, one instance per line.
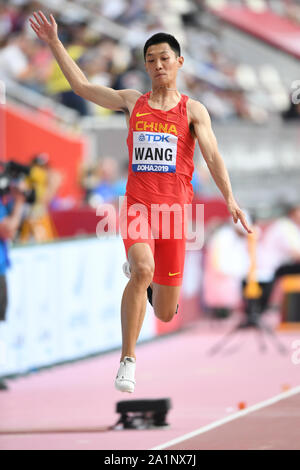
[142, 272]
[165, 315]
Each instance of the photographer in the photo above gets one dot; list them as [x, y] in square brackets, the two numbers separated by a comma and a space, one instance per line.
[11, 207]
[43, 182]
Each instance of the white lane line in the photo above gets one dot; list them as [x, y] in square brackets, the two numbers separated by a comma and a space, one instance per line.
[237, 415]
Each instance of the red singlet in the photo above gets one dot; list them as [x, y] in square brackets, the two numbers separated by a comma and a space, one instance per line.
[162, 141]
[161, 149]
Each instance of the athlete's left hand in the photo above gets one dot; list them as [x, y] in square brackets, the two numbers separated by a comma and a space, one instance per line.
[238, 214]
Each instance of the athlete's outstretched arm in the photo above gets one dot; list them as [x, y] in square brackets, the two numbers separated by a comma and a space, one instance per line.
[101, 95]
[209, 148]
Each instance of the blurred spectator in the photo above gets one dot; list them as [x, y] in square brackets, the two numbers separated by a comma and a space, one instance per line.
[121, 182]
[88, 180]
[201, 179]
[279, 251]
[112, 10]
[6, 21]
[226, 265]
[11, 207]
[45, 181]
[15, 59]
[57, 85]
[100, 182]
[281, 243]
[133, 76]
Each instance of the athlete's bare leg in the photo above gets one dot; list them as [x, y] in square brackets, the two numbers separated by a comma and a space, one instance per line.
[133, 307]
[165, 300]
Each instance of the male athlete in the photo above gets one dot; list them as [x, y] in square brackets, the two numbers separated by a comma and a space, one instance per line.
[163, 126]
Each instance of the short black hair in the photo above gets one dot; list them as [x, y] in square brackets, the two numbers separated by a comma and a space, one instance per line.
[158, 38]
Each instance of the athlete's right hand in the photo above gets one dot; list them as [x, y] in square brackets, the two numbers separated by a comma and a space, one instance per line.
[44, 30]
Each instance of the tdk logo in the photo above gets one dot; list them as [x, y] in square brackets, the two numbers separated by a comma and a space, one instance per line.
[154, 137]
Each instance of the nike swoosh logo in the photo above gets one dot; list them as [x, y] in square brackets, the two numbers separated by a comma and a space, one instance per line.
[174, 274]
[141, 114]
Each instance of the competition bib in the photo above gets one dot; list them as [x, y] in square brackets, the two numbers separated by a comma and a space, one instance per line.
[154, 151]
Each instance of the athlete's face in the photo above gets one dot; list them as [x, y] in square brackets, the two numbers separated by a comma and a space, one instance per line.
[162, 63]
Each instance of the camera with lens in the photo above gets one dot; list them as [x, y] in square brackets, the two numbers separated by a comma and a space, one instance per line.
[12, 174]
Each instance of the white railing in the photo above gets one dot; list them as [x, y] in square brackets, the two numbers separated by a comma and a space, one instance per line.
[23, 95]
